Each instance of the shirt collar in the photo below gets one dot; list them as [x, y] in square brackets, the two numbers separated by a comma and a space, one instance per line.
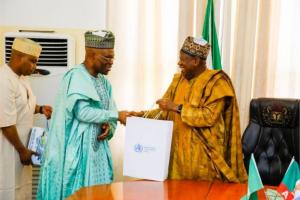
[11, 71]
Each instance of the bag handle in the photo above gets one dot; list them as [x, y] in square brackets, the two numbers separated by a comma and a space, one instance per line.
[146, 114]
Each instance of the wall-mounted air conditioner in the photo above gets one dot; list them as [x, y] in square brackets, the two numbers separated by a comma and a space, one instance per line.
[58, 49]
[58, 54]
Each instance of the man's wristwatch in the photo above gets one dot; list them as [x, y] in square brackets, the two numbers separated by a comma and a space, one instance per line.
[179, 108]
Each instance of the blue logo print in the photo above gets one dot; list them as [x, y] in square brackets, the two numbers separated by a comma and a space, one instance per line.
[138, 148]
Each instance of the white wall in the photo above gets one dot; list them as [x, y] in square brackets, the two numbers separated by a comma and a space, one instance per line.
[79, 14]
[71, 17]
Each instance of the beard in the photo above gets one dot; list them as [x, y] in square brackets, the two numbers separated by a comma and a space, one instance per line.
[187, 75]
[104, 69]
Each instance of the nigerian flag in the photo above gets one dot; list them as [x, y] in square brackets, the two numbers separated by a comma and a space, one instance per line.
[209, 33]
[254, 181]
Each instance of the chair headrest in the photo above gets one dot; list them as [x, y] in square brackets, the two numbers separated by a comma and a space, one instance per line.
[277, 113]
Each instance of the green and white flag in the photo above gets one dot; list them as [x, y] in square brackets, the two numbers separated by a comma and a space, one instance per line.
[254, 181]
[209, 33]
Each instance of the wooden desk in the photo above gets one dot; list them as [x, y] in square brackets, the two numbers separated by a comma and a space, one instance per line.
[170, 189]
[228, 191]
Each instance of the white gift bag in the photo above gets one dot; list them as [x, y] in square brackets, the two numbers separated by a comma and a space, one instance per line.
[147, 148]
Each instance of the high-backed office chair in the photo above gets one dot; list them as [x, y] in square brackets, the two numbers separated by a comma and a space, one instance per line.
[272, 136]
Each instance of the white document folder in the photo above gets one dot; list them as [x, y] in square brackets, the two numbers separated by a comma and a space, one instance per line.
[147, 148]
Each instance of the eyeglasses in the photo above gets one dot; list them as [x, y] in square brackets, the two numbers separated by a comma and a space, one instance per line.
[106, 59]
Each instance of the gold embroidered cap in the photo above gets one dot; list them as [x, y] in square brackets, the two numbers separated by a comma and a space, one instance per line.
[196, 47]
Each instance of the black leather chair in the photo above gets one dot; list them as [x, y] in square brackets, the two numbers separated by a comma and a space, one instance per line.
[272, 136]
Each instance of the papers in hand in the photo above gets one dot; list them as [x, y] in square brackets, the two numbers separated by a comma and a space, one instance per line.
[36, 143]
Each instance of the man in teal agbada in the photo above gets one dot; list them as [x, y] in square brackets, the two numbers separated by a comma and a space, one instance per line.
[84, 119]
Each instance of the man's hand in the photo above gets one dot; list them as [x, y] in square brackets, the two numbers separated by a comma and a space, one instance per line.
[11, 134]
[25, 156]
[166, 105]
[104, 131]
[136, 114]
[122, 116]
[47, 111]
